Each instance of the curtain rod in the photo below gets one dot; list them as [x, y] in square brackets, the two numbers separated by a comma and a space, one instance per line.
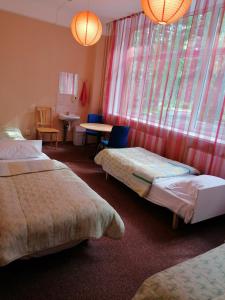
[127, 17]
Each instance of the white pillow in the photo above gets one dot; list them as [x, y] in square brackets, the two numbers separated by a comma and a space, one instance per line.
[187, 188]
[10, 133]
[15, 149]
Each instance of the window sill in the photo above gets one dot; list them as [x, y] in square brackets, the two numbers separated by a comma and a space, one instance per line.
[190, 134]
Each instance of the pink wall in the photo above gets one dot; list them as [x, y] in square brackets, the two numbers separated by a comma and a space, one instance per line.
[32, 54]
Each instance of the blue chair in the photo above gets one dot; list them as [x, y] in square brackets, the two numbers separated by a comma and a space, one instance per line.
[93, 118]
[118, 138]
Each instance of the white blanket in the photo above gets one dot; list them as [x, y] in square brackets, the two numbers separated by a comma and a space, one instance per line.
[43, 205]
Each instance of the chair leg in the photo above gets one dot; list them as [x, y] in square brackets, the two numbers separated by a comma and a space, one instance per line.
[51, 138]
[100, 147]
[84, 139]
[56, 142]
[175, 221]
[98, 138]
[97, 149]
[38, 135]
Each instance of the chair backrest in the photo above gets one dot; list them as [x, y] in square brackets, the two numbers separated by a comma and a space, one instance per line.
[94, 118]
[119, 137]
[43, 116]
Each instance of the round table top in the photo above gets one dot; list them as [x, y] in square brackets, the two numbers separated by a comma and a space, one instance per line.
[97, 127]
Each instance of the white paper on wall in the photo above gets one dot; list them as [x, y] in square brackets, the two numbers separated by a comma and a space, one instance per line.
[75, 91]
[68, 84]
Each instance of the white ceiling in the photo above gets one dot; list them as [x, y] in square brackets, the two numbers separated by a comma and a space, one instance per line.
[61, 11]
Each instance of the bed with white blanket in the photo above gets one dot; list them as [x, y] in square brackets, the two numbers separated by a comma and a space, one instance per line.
[165, 182]
[45, 207]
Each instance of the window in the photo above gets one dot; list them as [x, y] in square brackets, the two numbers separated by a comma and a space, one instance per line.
[172, 76]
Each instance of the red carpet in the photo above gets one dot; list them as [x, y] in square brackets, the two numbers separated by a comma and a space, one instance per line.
[108, 269]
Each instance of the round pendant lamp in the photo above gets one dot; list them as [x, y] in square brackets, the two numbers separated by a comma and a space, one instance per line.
[86, 28]
[165, 11]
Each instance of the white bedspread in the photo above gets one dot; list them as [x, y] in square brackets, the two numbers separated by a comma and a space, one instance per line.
[137, 167]
[162, 195]
[40, 157]
[43, 204]
[199, 278]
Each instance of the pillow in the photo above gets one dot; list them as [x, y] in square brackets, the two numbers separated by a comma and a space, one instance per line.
[14, 149]
[10, 133]
[187, 188]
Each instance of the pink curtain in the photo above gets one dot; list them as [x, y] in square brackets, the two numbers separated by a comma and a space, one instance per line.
[168, 84]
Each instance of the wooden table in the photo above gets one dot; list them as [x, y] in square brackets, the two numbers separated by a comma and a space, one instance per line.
[104, 128]
[97, 127]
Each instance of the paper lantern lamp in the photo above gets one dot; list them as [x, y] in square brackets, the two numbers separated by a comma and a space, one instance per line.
[86, 28]
[165, 11]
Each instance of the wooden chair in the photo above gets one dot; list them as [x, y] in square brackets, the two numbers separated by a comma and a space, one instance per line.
[44, 123]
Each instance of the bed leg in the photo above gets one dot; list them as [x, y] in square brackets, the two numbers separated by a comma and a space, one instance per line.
[175, 221]
[106, 176]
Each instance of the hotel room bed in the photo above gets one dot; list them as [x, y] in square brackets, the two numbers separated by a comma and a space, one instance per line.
[45, 207]
[200, 278]
[166, 182]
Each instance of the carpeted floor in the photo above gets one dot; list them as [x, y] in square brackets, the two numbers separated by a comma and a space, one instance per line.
[108, 269]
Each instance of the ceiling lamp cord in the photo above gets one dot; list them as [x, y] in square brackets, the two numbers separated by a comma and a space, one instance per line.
[58, 9]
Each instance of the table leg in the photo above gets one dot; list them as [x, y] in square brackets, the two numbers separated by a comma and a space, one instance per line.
[98, 143]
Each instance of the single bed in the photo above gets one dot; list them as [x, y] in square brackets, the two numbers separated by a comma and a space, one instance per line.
[200, 278]
[45, 207]
[166, 183]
